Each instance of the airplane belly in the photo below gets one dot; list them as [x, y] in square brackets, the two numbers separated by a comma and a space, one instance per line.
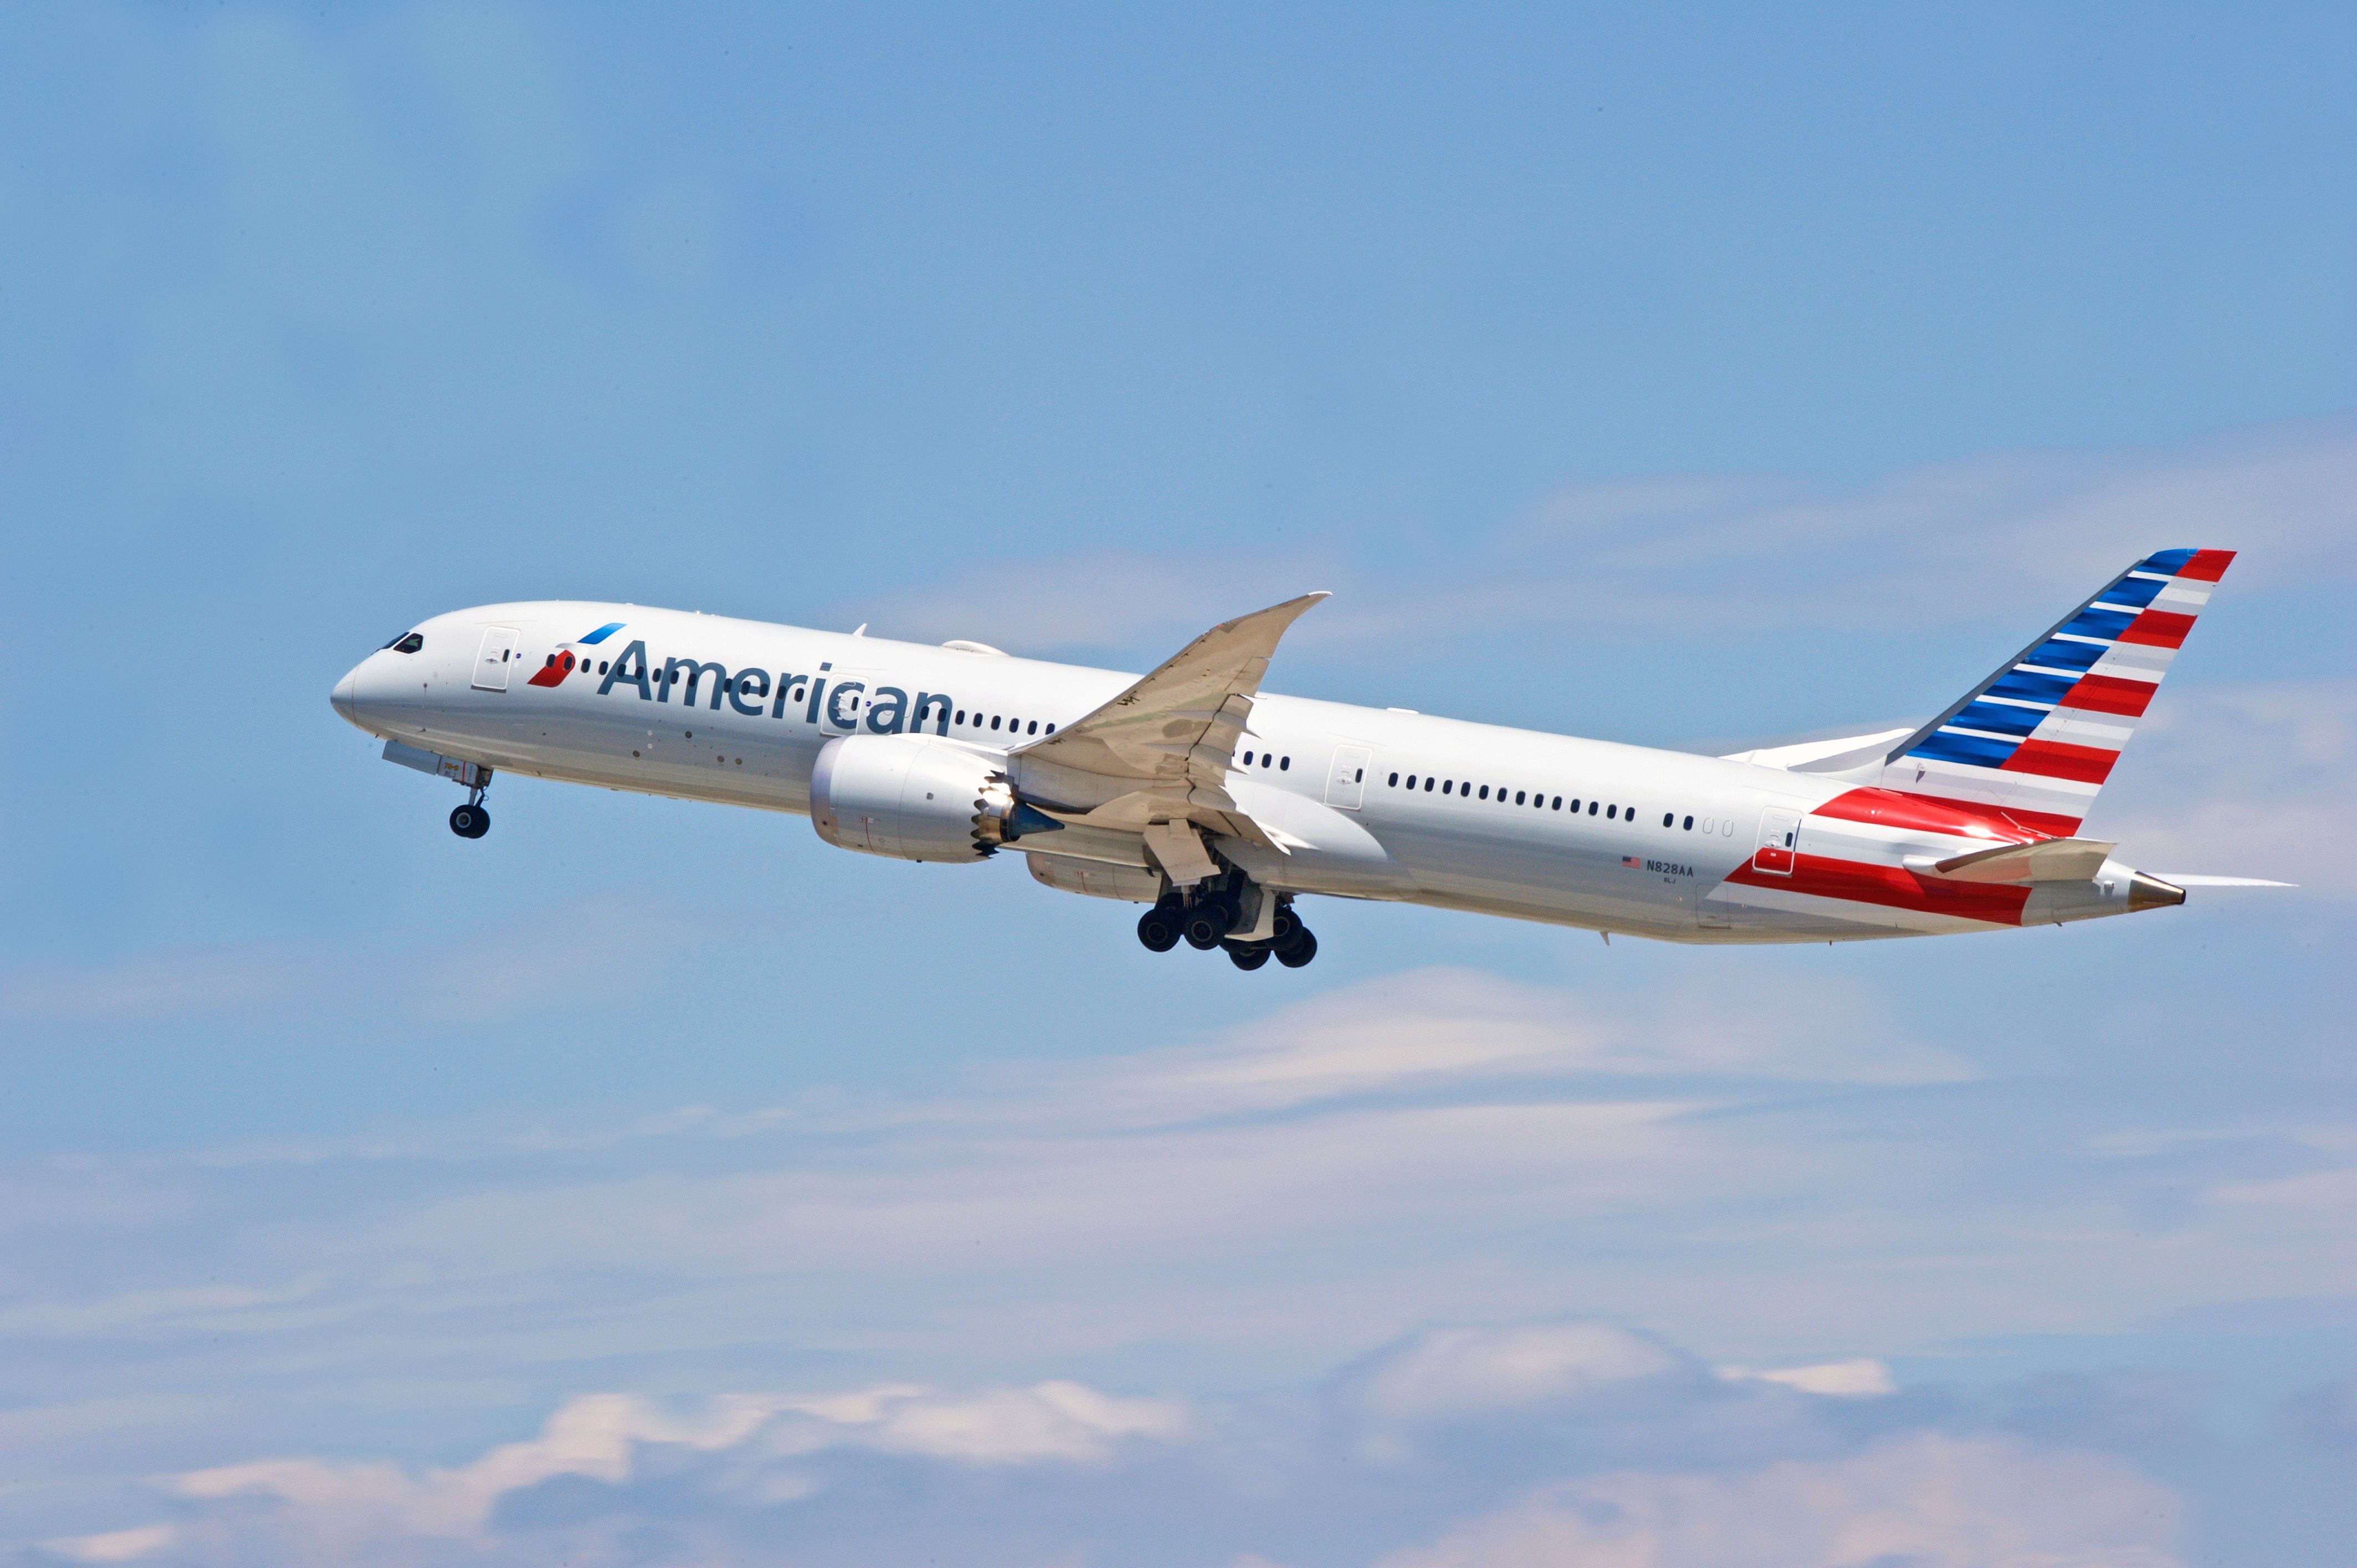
[691, 757]
[1571, 882]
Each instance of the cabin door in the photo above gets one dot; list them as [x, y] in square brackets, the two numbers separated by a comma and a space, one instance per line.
[1780, 836]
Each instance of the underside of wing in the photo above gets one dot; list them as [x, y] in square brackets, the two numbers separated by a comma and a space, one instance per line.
[1161, 751]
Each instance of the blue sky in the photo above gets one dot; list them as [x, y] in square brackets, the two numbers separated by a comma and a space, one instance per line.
[649, 1183]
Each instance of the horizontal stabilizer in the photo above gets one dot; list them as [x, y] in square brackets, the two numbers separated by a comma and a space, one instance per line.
[1823, 755]
[2047, 860]
[2186, 879]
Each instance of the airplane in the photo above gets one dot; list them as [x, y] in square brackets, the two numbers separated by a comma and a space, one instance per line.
[1219, 805]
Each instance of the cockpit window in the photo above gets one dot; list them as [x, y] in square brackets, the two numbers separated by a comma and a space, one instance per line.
[408, 644]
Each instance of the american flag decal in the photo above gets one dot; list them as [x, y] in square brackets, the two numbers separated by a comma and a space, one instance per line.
[1631, 861]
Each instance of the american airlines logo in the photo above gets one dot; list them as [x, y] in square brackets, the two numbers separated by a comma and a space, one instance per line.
[563, 662]
[752, 691]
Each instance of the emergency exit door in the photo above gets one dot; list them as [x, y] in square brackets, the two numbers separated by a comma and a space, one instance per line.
[497, 654]
[1779, 834]
[1346, 782]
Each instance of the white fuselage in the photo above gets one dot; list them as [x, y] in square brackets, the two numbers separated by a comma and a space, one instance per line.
[1497, 821]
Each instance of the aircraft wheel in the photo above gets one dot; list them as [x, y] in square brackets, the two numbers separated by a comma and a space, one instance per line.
[1247, 955]
[1287, 926]
[1158, 930]
[1207, 922]
[1298, 952]
[469, 821]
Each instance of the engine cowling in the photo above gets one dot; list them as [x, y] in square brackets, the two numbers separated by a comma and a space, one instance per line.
[912, 797]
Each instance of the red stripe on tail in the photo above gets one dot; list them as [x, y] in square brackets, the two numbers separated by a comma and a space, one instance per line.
[2110, 694]
[2207, 565]
[2060, 760]
[1943, 814]
[2158, 628]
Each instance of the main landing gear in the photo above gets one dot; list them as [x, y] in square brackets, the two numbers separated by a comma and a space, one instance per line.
[1210, 918]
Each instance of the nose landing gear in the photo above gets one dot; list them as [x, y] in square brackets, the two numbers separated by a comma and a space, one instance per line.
[471, 821]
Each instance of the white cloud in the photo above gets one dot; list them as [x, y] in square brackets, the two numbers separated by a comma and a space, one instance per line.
[1432, 1027]
[896, 1474]
[349, 1511]
[113, 1545]
[1862, 1378]
[1926, 1501]
[1448, 1373]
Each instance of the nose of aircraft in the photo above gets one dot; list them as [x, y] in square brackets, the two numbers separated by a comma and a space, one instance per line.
[343, 697]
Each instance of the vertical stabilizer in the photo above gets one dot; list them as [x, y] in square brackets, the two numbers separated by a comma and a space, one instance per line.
[2037, 739]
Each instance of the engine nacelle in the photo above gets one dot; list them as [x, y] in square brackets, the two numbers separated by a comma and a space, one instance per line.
[913, 797]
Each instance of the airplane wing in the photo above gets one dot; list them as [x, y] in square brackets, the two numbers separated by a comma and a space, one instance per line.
[1160, 751]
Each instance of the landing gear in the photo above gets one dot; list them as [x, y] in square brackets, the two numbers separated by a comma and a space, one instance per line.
[1234, 913]
[470, 821]
[1208, 921]
[1159, 926]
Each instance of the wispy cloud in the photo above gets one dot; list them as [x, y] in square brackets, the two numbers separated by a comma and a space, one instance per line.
[2016, 533]
[1927, 1499]
[462, 980]
[2249, 780]
[1535, 1468]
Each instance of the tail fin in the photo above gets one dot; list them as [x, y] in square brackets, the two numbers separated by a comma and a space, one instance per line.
[2037, 739]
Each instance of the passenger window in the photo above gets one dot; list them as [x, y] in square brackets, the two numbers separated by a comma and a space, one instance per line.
[1395, 782]
[1591, 807]
[961, 712]
[1669, 818]
[601, 667]
[993, 721]
[1518, 797]
[1248, 757]
[1706, 825]
[1447, 786]
[1558, 802]
[1360, 776]
[1034, 729]
[1051, 729]
[1485, 792]
[1689, 827]
[1427, 783]
[1283, 763]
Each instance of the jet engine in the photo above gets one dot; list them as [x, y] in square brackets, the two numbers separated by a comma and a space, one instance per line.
[916, 797]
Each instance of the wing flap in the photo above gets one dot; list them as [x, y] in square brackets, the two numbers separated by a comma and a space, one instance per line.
[1183, 720]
